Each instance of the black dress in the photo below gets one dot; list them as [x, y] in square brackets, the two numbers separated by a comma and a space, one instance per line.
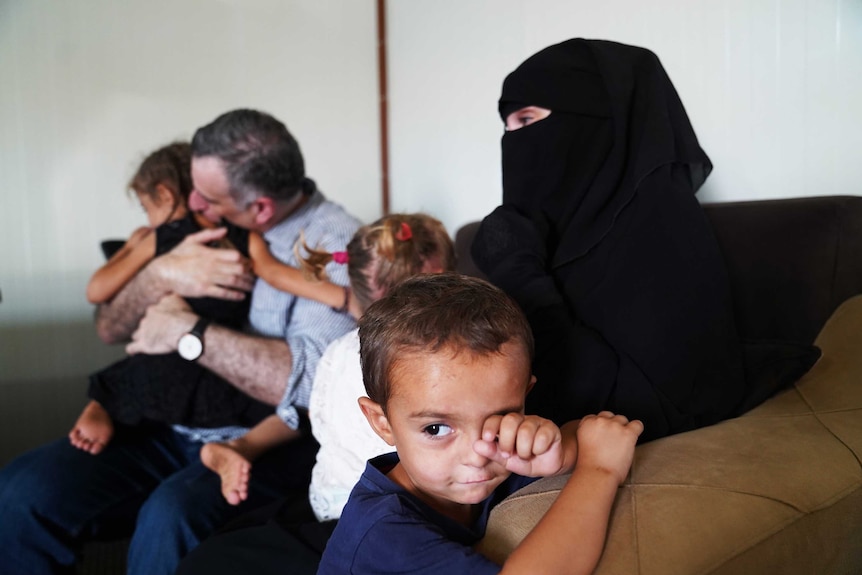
[602, 242]
[169, 389]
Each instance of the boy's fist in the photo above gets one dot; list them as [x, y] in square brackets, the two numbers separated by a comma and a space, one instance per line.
[607, 442]
[525, 444]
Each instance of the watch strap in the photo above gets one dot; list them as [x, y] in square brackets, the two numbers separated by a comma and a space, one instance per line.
[200, 327]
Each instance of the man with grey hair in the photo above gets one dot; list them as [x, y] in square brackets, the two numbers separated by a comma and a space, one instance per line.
[247, 169]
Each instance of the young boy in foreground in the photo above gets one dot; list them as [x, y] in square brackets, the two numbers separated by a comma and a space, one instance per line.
[446, 364]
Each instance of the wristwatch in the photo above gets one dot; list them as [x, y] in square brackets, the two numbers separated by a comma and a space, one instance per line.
[191, 345]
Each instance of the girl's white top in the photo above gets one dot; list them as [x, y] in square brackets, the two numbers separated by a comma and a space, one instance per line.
[345, 436]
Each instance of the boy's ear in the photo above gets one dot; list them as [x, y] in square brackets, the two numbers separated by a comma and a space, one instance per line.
[531, 384]
[377, 419]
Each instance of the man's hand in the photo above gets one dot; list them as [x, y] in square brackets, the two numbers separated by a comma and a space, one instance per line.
[525, 444]
[193, 269]
[162, 326]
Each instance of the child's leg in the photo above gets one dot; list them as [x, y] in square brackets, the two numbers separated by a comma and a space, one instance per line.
[93, 430]
[232, 460]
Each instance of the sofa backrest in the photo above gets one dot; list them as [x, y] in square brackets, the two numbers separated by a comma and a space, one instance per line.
[791, 262]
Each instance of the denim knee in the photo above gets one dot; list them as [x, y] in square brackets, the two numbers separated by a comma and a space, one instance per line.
[176, 517]
[39, 525]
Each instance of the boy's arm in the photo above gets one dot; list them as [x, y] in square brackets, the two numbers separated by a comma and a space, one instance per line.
[289, 279]
[571, 536]
[123, 265]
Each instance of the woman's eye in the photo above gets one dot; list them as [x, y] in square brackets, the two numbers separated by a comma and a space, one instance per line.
[525, 117]
[438, 430]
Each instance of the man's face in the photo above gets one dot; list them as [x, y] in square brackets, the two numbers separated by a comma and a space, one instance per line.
[211, 194]
[436, 412]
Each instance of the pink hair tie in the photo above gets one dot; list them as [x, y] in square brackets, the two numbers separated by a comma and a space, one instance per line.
[405, 233]
[340, 257]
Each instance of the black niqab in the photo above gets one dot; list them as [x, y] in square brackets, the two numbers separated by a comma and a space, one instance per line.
[601, 241]
[616, 118]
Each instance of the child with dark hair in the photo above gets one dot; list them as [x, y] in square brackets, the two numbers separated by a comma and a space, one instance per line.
[169, 388]
[446, 364]
[150, 480]
[292, 536]
[378, 256]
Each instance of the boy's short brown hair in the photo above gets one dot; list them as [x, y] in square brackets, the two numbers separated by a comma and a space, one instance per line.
[429, 312]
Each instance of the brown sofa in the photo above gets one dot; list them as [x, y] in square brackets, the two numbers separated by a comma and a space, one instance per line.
[778, 490]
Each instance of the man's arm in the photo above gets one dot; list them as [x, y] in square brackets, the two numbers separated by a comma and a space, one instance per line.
[257, 366]
[278, 371]
[117, 318]
[191, 269]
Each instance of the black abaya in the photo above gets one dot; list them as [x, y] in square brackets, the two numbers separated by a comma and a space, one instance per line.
[601, 241]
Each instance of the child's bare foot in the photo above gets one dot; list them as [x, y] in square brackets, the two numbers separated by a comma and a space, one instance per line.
[93, 430]
[232, 467]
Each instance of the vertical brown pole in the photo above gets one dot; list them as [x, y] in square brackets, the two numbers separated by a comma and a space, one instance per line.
[384, 109]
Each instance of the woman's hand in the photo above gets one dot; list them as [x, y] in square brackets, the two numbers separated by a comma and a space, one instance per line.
[507, 238]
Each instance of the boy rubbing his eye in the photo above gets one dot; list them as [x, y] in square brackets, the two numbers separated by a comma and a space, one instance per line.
[446, 365]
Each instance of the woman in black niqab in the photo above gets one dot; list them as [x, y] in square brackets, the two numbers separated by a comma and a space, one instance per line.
[601, 241]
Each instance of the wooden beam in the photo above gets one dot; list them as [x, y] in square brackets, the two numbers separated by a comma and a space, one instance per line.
[384, 108]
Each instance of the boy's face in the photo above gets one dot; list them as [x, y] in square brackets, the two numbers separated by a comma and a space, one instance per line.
[438, 406]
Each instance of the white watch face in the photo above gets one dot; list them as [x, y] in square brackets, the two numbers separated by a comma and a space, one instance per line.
[190, 347]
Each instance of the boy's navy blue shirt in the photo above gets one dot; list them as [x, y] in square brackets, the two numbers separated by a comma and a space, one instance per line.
[385, 529]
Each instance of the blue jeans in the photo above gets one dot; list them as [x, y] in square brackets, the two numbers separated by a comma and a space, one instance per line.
[55, 497]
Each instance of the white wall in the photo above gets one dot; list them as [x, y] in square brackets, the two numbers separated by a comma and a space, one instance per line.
[772, 87]
[88, 87]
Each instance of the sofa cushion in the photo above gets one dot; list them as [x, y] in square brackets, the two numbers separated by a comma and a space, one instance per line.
[777, 490]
